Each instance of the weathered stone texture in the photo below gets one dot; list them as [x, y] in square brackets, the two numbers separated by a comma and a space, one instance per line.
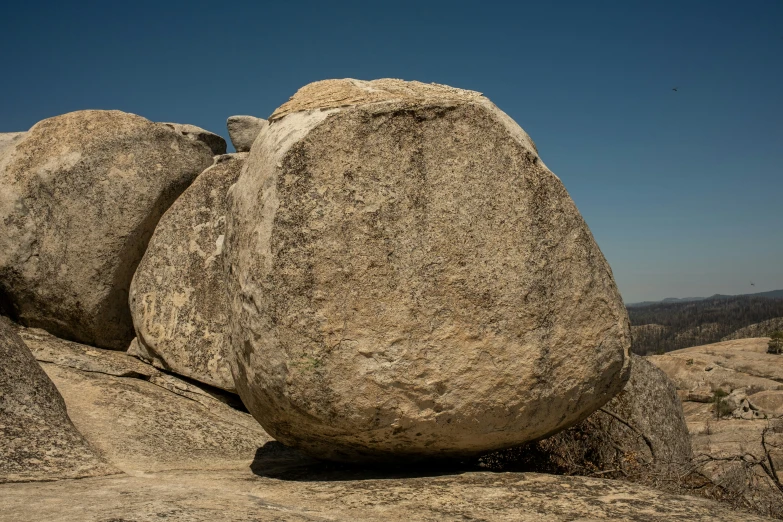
[408, 278]
[80, 195]
[640, 435]
[37, 439]
[141, 419]
[178, 295]
[243, 131]
[217, 144]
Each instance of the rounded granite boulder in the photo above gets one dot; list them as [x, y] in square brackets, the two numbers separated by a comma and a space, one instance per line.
[80, 195]
[178, 294]
[408, 279]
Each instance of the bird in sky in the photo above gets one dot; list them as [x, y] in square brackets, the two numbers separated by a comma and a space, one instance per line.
[674, 89]
[752, 283]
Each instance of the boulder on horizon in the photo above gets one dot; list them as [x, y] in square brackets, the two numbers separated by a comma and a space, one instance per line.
[217, 144]
[243, 130]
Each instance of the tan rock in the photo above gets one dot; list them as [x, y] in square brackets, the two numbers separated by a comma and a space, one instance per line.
[143, 420]
[37, 439]
[639, 435]
[217, 144]
[178, 295]
[80, 195]
[734, 451]
[8, 140]
[409, 279]
[243, 131]
[769, 402]
[729, 365]
[353, 496]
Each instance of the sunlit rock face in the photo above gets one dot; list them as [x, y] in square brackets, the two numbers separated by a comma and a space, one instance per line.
[80, 195]
[408, 279]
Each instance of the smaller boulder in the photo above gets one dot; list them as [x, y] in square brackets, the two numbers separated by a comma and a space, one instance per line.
[177, 297]
[217, 144]
[243, 131]
[641, 435]
[770, 402]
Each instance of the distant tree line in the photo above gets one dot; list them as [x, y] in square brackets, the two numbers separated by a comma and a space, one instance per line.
[663, 327]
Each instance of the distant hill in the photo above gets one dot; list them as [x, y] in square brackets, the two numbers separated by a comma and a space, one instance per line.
[666, 326]
[772, 294]
[762, 329]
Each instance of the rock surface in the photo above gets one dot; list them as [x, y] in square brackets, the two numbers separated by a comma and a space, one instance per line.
[80, 195]
[141, 419]
[217, 144]
[734, 448]
[699, 371]
[178, 295]
[218, 496]
[408, 278]
[243, 131]
[8, 140]
[640, 434]
[37, 439]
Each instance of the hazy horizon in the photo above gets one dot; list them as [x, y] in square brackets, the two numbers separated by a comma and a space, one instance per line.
[681, 189]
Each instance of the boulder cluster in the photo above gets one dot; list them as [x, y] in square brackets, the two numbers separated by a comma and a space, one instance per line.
[383, 270]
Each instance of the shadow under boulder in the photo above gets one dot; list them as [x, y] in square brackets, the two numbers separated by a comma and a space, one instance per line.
[639, 435]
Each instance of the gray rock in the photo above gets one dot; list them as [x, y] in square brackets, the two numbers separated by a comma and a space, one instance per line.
[409, 280]
[37, 439]
[80, 196]
[217, 144]
[178, 296]
[243, 131]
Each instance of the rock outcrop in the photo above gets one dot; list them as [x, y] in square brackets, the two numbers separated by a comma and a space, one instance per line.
[640, 435]
[351, 496]
[698, 372]
[243, 130]
[409, 279]
[178, 296]
[141, 419]
[217, 144]
[80, 196]
[732, 394]
[37, 439]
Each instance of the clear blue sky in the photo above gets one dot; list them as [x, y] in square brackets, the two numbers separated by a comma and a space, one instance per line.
[682, 190]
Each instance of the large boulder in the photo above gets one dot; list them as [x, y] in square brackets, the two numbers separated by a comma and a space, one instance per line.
[243, 131]
[37, 439]
[639, 435]
[217, 144]
[80, 196]
[409, 279]
[178, 297]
